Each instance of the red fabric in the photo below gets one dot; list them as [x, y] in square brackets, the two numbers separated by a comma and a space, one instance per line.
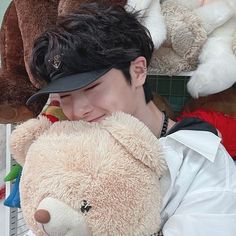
[51, 117]
[2, 192]
[225, 124]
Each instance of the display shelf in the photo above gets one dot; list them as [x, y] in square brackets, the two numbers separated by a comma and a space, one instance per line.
[15, 224]
[173, 88]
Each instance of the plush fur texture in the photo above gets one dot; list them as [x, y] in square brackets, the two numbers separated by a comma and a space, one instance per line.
[32, 22]
[234, 44]
[217, 63]
[114, 165]
[15, 86]
[67, 6]
[152, 18]
[185, 38]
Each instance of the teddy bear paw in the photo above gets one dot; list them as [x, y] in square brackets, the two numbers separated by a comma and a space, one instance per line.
[205, 81]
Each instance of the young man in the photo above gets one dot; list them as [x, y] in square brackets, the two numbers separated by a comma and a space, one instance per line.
[96, 60]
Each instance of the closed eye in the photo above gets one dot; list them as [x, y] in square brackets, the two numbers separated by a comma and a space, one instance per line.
[93, 86]
[64, 96]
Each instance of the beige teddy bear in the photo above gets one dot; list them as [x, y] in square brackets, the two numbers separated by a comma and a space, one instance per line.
[89, 178]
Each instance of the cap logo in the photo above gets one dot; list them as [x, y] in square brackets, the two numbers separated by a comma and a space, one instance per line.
[55, 61]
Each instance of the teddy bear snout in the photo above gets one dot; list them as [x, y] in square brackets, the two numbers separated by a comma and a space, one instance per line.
[42, 216]
[60, 219]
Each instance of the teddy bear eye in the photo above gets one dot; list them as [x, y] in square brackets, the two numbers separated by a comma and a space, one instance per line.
[85, 207]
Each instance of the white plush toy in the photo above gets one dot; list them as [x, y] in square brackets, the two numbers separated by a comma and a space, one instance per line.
[152, 18]
[217, 62]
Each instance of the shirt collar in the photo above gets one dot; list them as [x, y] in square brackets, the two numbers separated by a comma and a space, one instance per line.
[203, 142]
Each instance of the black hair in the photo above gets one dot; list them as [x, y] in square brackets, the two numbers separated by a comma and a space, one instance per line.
[93, 37]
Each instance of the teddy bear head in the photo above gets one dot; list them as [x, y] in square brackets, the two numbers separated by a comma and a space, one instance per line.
[84, 178]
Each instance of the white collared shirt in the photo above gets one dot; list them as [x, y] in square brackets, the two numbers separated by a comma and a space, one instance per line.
[199, 191]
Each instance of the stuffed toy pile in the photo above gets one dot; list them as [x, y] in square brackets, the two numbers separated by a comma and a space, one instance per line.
[23, 22]
[83, 178]
[200, 38]
[189, 35]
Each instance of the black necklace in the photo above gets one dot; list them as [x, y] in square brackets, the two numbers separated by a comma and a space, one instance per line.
[165, 124]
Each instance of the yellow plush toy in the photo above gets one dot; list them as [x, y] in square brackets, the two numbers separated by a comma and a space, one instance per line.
[89, 178]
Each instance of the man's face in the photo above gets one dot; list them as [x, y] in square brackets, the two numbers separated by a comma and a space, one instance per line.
[108, 94]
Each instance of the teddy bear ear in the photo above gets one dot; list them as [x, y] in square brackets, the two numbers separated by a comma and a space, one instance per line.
[25, 134]
[138, 140]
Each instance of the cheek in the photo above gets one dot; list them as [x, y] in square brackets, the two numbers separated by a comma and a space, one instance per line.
[102, 100]
[66, 108]
[120, 99]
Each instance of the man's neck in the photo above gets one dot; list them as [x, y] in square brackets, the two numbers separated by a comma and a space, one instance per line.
[153, 118]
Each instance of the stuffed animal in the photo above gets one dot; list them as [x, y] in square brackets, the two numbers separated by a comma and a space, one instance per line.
[188, 23]
[234, 44]
[15, 87]
[217, 62]
[23, 22]
[152, 18]
[225, 124]
[89, 178]
[223, 102]
[185, 37]
[219, 110]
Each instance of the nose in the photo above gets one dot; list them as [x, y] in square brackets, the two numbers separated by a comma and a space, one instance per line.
[42, 216]
[81, 107]
[58, 218]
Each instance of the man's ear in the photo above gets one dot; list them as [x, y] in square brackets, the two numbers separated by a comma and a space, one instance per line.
[138, 71]
[25, 134]
[138, 140]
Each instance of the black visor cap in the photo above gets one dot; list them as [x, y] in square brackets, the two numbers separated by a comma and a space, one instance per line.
[69, 83]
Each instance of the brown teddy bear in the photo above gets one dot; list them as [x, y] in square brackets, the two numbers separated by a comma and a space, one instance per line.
[69, 187]
[15, 86]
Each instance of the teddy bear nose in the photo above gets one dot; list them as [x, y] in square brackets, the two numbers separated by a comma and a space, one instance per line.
[42, 216]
